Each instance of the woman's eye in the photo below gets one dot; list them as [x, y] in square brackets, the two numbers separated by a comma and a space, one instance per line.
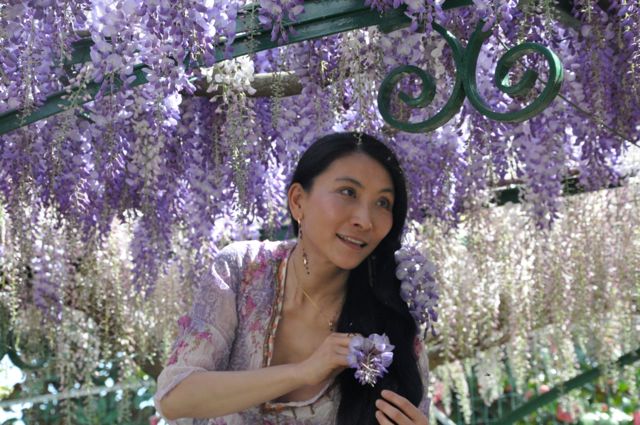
[385, 203]
[348, 191]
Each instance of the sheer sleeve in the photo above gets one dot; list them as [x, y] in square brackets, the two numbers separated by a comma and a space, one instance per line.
[206, 334]
[423, 365]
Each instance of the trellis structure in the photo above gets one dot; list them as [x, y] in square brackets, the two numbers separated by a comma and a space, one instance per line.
[323, 18]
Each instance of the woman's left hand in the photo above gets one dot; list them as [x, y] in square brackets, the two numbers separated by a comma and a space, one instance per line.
[395, 409]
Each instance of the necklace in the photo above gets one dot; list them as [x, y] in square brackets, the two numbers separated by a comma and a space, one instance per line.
[332, 323]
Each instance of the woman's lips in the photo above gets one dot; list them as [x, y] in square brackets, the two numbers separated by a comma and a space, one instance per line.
[350, 244]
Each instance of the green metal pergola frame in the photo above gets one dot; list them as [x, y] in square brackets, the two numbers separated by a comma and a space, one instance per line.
[326, 17]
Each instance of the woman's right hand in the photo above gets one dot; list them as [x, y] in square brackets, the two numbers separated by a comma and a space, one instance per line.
[329, 359]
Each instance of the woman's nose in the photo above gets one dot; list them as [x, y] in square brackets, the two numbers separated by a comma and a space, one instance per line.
[362, 218]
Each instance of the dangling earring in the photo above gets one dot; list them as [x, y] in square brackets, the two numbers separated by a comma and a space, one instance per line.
[305, 259]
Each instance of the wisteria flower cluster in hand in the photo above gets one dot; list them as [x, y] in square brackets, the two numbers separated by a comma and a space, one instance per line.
[418, 288]
[370, 357]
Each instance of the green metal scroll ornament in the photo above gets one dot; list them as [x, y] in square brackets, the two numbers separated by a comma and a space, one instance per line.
[523, 87]
[25, 359]
[452, 107]
[17, 356]
[466, 61]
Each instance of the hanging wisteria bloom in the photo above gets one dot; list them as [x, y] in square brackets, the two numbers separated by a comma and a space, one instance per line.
[418, 288]
[273, 13]
[370, 357]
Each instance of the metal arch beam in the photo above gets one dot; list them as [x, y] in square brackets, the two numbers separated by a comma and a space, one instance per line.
[321, 18]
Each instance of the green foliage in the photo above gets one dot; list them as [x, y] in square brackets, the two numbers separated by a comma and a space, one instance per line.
[610, 400]
[92, 410]
[104, 408]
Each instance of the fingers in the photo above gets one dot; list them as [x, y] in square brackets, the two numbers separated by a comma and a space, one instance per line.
[342, 337]
[389, 414]
[342, 351]
[329, 359]
[400, 403]
[339, 340]
[382, 419]
[336, 346]
[398, 409]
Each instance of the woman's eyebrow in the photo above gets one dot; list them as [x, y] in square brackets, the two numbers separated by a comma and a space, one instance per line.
[357, 183]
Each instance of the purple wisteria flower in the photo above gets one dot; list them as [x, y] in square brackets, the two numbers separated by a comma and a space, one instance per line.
[382, 5]
[370, 357]
[273, 13]
[418, 288]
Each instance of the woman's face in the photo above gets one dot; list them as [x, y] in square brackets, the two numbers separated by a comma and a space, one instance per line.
[347, 212]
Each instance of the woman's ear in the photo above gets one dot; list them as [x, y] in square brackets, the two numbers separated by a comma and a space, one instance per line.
[296, 195]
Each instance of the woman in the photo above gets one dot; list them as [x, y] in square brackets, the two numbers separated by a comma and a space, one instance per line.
[267, 341]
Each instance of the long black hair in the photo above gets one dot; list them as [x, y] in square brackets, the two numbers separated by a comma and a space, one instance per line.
[372, 303]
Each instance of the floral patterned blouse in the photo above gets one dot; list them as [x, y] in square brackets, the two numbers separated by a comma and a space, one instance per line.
[232, 326]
